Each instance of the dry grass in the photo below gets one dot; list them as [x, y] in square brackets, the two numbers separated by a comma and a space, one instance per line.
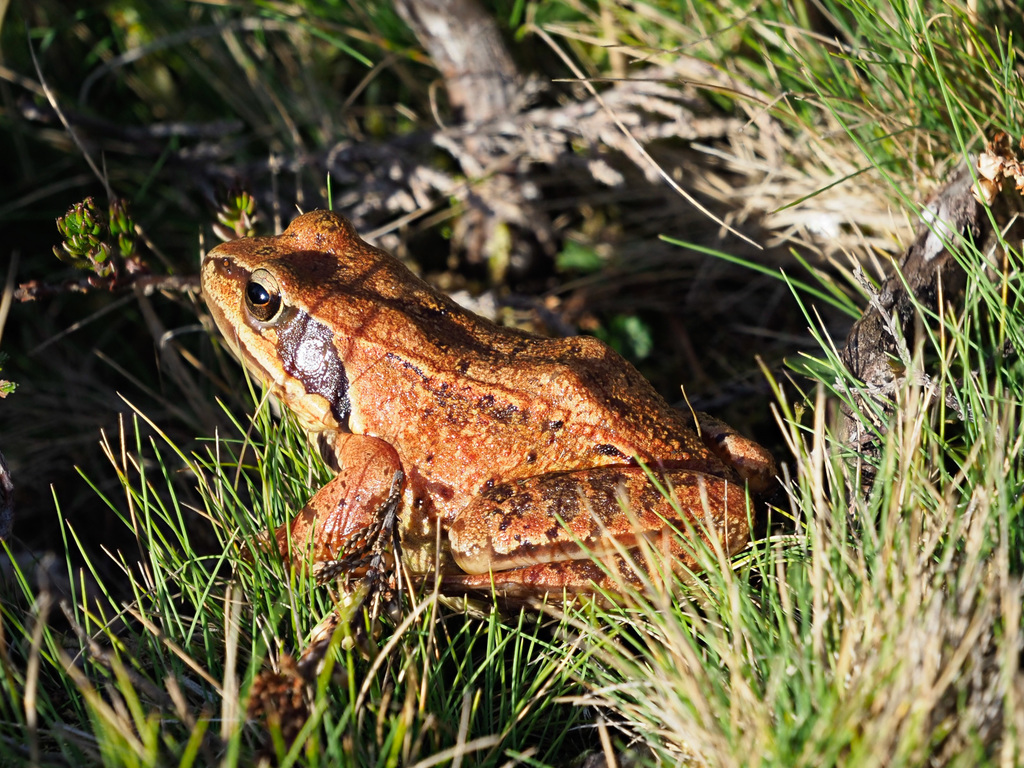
[884, 630]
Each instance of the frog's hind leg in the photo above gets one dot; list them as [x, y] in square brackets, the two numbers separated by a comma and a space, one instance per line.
[545, 533]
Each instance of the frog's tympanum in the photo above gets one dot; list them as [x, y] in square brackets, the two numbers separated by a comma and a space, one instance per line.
[504, 458]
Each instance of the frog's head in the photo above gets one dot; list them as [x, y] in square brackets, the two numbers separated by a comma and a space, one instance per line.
[289, 306]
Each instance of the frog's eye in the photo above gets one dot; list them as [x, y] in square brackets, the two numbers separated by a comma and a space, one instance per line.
[262, 296]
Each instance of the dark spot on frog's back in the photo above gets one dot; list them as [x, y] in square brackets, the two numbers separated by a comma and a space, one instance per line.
[605, 449]
[391, 357]
[505, 414]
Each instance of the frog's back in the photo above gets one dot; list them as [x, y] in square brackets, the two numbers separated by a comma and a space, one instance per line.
[585, 377]
[565, 401]
[418, 352]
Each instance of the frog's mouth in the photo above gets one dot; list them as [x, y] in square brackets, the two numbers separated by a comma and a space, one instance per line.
[315, 411]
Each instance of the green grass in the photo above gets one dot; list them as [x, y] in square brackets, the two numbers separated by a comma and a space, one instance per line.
[157, 677]
[871, 625]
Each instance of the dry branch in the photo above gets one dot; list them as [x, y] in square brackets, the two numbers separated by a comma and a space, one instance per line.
[928, 280]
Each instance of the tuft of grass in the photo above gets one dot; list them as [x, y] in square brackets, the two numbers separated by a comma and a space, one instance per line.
[161, 676]
[883, 629]
[884, 626]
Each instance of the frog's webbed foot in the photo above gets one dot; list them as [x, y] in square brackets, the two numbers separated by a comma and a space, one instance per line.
[278, 698]
[282, 698]
[371, 556]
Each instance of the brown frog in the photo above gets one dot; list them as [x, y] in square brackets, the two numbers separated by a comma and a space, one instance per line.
[506, 459]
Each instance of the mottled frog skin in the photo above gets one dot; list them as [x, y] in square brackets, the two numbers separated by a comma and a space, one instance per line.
[508, 458]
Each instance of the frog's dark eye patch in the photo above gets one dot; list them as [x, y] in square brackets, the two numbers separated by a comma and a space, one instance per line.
[262, 296]
[306, 349]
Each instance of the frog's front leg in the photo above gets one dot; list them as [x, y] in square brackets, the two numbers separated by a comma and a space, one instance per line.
[345, 519]
[546, 530]
[344, 516]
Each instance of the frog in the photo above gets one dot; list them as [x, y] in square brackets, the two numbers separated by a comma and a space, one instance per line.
[498, 459]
